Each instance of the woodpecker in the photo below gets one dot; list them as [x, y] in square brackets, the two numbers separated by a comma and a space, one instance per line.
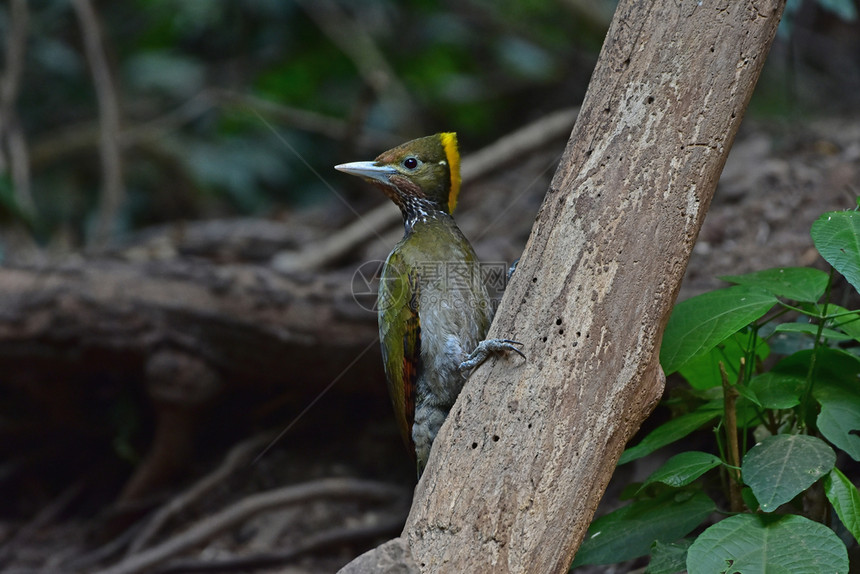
[433, 307]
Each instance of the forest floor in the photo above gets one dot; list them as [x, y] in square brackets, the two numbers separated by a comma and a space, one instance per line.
[777, 181]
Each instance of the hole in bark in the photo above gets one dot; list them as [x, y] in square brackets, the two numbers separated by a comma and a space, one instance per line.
[575, 343]
[561, 331]
[712, 48]
[588, 153]
[543, 339]
[474, 445]
[578, 334]
[495, 438]
[650, 100]
[530, 425]
[558, 321]
[534, 279]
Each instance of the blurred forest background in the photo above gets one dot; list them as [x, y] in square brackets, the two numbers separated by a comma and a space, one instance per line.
[126, 127]
[242, 107]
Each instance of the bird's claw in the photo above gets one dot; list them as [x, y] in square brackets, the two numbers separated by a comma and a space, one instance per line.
[486, 348]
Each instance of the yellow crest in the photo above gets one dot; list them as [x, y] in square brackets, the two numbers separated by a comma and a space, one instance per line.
[449, 144]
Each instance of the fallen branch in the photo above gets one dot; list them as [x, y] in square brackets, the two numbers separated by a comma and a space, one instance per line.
[248, 321]
[314, 544]
[250, 506]
[238, 455]
[42, 520]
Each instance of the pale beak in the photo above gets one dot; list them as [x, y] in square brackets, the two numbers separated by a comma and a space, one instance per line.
[368, 170]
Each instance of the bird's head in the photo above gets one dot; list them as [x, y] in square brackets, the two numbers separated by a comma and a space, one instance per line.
[420, 176]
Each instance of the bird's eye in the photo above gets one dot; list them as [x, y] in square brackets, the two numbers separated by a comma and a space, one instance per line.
[410, 163]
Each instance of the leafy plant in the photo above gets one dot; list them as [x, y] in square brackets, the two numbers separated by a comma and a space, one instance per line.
[783, 401]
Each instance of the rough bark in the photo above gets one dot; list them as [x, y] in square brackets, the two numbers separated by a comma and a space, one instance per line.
[519, 467]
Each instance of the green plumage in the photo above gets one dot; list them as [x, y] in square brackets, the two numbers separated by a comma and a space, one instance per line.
[434, 310]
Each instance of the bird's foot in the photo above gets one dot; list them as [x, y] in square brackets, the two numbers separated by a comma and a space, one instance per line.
[511, 270]
[486, 348]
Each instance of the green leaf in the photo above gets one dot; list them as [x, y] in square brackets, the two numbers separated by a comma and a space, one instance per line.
[667, 433]
[776, 390]
[833, 366]
[703, 372]
[683, 468]
[796, 283]
[835, 379]
[839, 418]
[749, 498]
[847, 322]
[835, 387]
[761, 544]
[746, 392]
[700, 323]
[668, 558]
[845, 499]
[789, 343]
[836, 235]
[810, 329]
[631, 530]
[781, 467]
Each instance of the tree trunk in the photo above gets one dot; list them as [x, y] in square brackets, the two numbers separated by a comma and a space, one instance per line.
[522, 461]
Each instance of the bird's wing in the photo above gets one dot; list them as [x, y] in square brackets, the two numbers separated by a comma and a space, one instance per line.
[400, 338]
